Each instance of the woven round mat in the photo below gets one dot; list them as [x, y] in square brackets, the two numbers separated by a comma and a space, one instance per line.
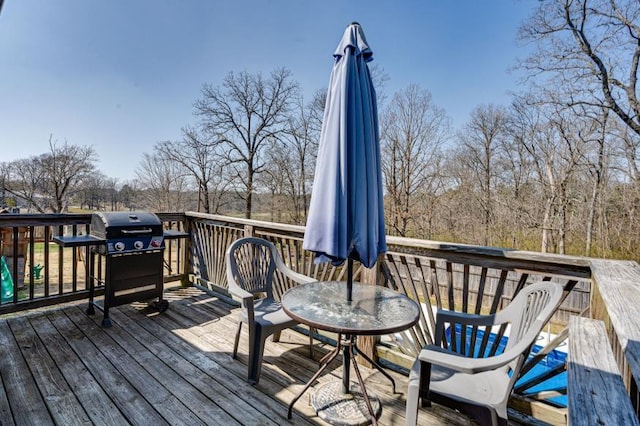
[338, 408]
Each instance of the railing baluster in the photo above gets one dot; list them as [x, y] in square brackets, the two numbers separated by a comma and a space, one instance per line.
[435, 285]
[465, 288]
[74, 264]
[60, 263]
[47, 263]
[480, 294]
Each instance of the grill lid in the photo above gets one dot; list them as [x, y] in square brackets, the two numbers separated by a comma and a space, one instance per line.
[111, 225]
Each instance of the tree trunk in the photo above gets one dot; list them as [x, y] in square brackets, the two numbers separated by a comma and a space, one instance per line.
[546, 226]
[595, 193]
[247, 210]
[206, 201]
[487, 188]
[563, 222]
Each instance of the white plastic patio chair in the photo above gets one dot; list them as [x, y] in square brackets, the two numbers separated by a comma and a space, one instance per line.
[251, 265]
[480, 387]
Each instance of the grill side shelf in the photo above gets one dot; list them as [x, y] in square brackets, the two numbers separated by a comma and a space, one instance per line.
[171, 234]
[79, 241]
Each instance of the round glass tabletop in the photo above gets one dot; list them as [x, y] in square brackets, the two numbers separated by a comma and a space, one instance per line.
[374, 310]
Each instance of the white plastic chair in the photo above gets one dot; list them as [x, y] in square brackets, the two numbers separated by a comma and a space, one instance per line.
[251, 265]
[480, 387]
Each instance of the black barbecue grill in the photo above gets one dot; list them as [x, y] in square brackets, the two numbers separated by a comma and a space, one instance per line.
[130, 245]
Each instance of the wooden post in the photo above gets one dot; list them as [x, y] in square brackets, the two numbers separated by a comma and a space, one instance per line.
[186, 258]
[367, 344]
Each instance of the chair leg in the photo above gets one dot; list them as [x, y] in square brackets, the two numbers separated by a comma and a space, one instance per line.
[499, 415]
[256, 349]
[485, 415]
[413, 392]
[418, 390]
[237, 339]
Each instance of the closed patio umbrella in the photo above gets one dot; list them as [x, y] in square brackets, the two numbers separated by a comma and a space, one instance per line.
[346, 214]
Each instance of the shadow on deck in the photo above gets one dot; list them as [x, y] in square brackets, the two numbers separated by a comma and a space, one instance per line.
[59, 366]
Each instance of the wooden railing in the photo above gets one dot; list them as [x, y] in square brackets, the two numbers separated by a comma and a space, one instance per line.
[44, 274]
[451, 276]
[438, 275]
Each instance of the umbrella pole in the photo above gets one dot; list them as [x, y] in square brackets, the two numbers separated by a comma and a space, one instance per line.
[346, 364]
[349, 280]
[346, 355]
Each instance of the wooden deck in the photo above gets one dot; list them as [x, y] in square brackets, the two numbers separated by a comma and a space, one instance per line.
[60, 367]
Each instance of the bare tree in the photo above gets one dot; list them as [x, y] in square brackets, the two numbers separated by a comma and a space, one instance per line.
[455, 207]
[93, 193]
[279, 179]
[551, 136]
[316, 110]
[129, 194]
[112, 192]
[199, 156]
[631, 152]
[292, 157]
[480, 138]
[413, 131]
[589, 51]
[379, 78]
[5, 182]
[244, 113]
[48, 181]
[618, 221]
[515, 191]
[164, 185]
[597, 154]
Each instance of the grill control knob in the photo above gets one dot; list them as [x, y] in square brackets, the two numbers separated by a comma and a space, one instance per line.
[138, 245]
[119, 246]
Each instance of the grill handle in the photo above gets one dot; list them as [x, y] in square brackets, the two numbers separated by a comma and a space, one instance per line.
[137, 231]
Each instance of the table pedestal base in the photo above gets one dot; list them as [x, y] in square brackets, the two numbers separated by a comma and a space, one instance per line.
[347, 409]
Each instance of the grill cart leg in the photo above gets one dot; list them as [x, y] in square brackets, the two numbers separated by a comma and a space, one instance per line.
[161, 305]
[106, 321]
[92, 283]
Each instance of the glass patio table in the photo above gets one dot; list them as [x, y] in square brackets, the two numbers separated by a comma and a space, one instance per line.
[373, 311]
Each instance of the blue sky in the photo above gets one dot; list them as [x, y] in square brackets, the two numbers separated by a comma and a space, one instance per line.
[121, 75]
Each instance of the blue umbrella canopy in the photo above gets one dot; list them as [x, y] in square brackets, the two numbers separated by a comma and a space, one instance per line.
[346, 214]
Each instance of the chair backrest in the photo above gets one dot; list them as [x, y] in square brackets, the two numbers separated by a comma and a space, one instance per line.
[530, 310]
[251, 261]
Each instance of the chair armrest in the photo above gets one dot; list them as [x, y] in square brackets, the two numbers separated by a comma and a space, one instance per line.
[290, 273]
[437, 355]
[297, 277]
[239, 293]
[246, 300]
[444, 316]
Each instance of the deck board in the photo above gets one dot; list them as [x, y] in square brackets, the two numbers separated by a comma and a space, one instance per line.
[194, 385]
[19, 385]
[125, 396]
[59, 366]
[62, 403]
[97, 404]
